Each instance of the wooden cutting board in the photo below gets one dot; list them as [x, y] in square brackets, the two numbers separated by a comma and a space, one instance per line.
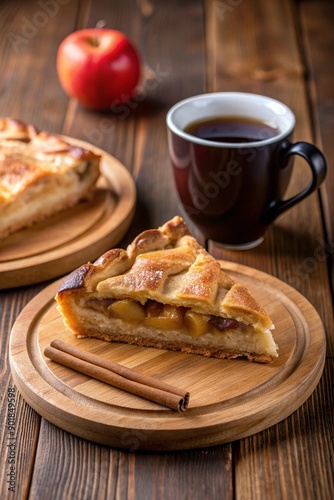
[229, 399]
[61, 243]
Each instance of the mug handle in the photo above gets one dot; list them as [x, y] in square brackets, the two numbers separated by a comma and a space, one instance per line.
[317, 163]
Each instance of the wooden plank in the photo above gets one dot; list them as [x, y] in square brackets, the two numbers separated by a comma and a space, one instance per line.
[241, 60]
[103, 472]
[276, 68]
[27, 54]
[87, 477]
[199, 474]
[316, 20]
[294, 457]
[19, 419]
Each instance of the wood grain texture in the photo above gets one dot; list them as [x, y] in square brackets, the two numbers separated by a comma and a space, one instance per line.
[316, 22]
[27, 422]
[294, 458]
[29, 42]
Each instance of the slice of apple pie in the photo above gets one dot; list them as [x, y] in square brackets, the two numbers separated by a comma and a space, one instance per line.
[166, 291]
[40, 175]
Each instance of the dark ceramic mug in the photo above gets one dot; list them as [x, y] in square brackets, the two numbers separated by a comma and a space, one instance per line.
[234, 190]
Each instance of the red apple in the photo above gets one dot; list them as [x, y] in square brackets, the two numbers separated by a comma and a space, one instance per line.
[98, 67]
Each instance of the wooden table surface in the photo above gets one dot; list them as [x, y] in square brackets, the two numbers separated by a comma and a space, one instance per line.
[280, 48]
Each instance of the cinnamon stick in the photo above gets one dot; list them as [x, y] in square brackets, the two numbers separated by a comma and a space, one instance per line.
[117, 375]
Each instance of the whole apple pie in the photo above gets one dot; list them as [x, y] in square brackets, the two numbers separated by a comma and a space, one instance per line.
[40, 175]
[165, 291]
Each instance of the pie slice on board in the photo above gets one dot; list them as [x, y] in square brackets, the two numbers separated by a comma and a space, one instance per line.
[166, 291]
[40, 175]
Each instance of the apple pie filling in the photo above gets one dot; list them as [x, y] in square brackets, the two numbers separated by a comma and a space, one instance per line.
[163, 316]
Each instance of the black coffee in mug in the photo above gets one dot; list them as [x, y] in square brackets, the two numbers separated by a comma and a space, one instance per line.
[232, 157]
[232, 129]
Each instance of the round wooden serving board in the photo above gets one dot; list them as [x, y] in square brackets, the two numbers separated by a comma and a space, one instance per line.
[229, 399]
[72, 237]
